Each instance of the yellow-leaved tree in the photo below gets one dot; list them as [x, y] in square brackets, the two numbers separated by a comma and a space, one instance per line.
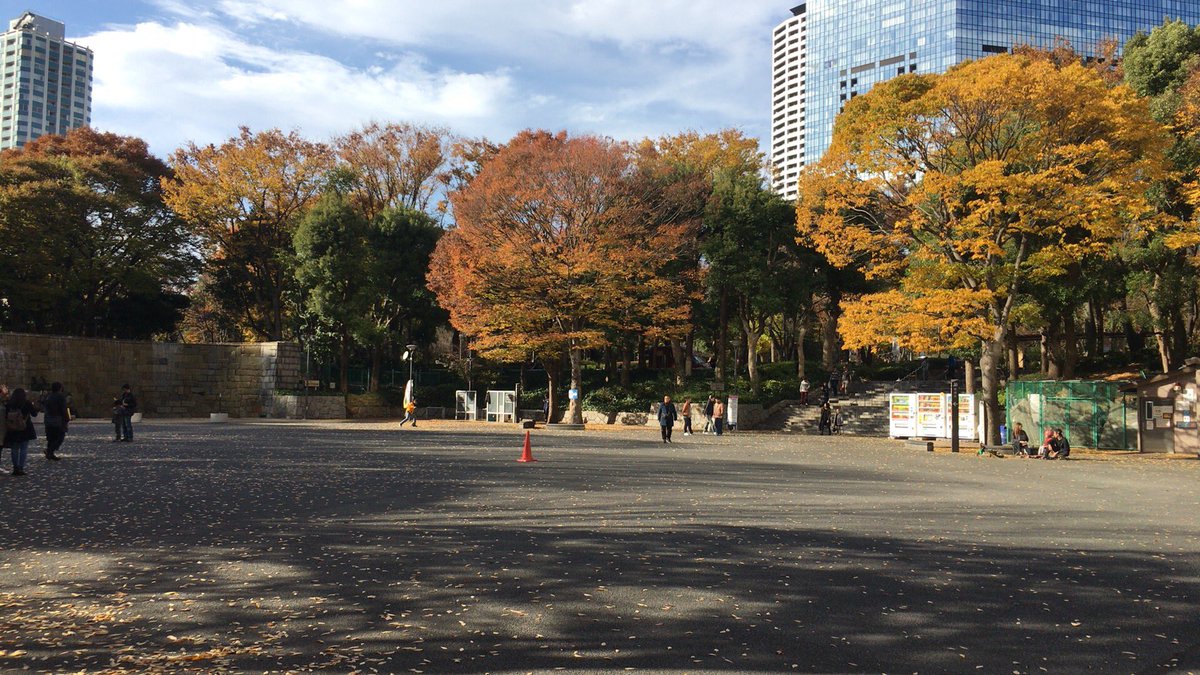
[961, 187]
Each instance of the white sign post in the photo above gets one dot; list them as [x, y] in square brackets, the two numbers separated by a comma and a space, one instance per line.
[731, 411]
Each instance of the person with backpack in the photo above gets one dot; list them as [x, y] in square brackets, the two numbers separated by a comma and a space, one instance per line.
[124, 405]
[19, 412]
[56, 418]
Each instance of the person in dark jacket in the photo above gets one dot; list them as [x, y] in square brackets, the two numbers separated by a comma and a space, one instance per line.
[708, 414]
[124, 405]
[825, 425]
[667, 414]
[56, 419]
[19, 412]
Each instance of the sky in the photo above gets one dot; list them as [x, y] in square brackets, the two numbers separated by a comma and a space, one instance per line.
[176, 71]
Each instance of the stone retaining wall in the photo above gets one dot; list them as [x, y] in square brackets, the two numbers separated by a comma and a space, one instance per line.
[169, 379]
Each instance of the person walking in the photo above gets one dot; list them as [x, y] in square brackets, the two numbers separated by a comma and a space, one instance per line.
[804, 387]
[667, 414]
[719, 417]
[686, 411]
[410, 412]
[124, 405]
[708, 413]
[56, 419]
[19, 412]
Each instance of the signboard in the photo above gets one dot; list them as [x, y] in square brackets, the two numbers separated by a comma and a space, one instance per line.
[931, 415]
[731, 410]
[573, 394]
[966, 417]
[902, 415]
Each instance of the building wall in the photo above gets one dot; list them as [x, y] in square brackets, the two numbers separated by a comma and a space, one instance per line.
[854, 44]
[169, 379]
[46, 81]
[789, 61]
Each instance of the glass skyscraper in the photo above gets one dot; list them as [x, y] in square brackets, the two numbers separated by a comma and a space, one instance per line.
[830, 51]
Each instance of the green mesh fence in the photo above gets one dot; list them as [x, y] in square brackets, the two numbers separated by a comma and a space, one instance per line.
[1091, 414]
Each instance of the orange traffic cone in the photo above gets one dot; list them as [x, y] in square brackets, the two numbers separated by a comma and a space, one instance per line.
[527, 452]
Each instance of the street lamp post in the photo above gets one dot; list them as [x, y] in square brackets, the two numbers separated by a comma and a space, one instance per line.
[412, 350]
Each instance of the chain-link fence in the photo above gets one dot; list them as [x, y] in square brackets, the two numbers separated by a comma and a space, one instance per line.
[1091, 414]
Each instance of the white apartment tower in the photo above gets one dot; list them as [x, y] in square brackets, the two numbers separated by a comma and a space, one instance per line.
[789, 49]
[47, 81]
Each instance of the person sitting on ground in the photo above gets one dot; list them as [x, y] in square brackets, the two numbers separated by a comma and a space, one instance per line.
[1020, 441]
[1063, 447]
[1049, 445]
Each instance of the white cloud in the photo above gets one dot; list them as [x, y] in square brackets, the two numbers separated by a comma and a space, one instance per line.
[624, 68]
[155, 80]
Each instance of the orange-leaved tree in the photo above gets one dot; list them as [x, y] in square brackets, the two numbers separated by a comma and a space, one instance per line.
[243, 199]
[962, 186]
[553, 243]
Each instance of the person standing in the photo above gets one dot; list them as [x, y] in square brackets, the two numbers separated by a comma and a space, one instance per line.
[686, 411]
[19, 412]
[708, 413]
[667, 414]
[124, 405]
[825, 424]
[410, 412]
[804, 387]
[719, 417]
[56, 419]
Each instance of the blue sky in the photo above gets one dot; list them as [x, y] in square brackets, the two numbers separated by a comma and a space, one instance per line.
[173, 71]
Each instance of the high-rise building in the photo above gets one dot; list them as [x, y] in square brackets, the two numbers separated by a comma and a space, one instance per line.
[830, 51]
[47, 81]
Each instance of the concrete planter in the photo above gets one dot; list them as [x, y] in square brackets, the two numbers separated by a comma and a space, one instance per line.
[135, 417]
[218, 417]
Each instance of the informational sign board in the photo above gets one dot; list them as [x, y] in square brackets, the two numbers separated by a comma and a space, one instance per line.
[464, 405]
[502, 406]
[731, 411]
[573, 394]
[903, 415]
[931, 415]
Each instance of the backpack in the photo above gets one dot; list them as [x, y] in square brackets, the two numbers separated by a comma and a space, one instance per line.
[14, 420]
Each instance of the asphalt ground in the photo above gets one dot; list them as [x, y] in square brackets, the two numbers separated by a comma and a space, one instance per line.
[349, 546]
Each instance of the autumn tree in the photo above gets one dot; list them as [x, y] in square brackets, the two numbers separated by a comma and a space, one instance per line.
[243, 199]
[399, 165]
[1163, 65]
[963, 185]
[87, 244]
[551, 242]
[704, 156]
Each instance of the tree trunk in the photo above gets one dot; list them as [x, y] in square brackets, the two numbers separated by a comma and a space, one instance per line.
[752, 336]
[969, 376]
[677, 355]
[575, 407]
[553, 386]
[376, 367]
[344, 362]
[801, 332]
[1090, 331]
[1014, 361]
[722, 340]
[1179, 338]
[1045, 348]
[830, 342]
[1160, 329]
[691, 351]
[989, 365]
[626, 362]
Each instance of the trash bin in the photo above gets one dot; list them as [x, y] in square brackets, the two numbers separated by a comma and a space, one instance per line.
[1003, 434]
